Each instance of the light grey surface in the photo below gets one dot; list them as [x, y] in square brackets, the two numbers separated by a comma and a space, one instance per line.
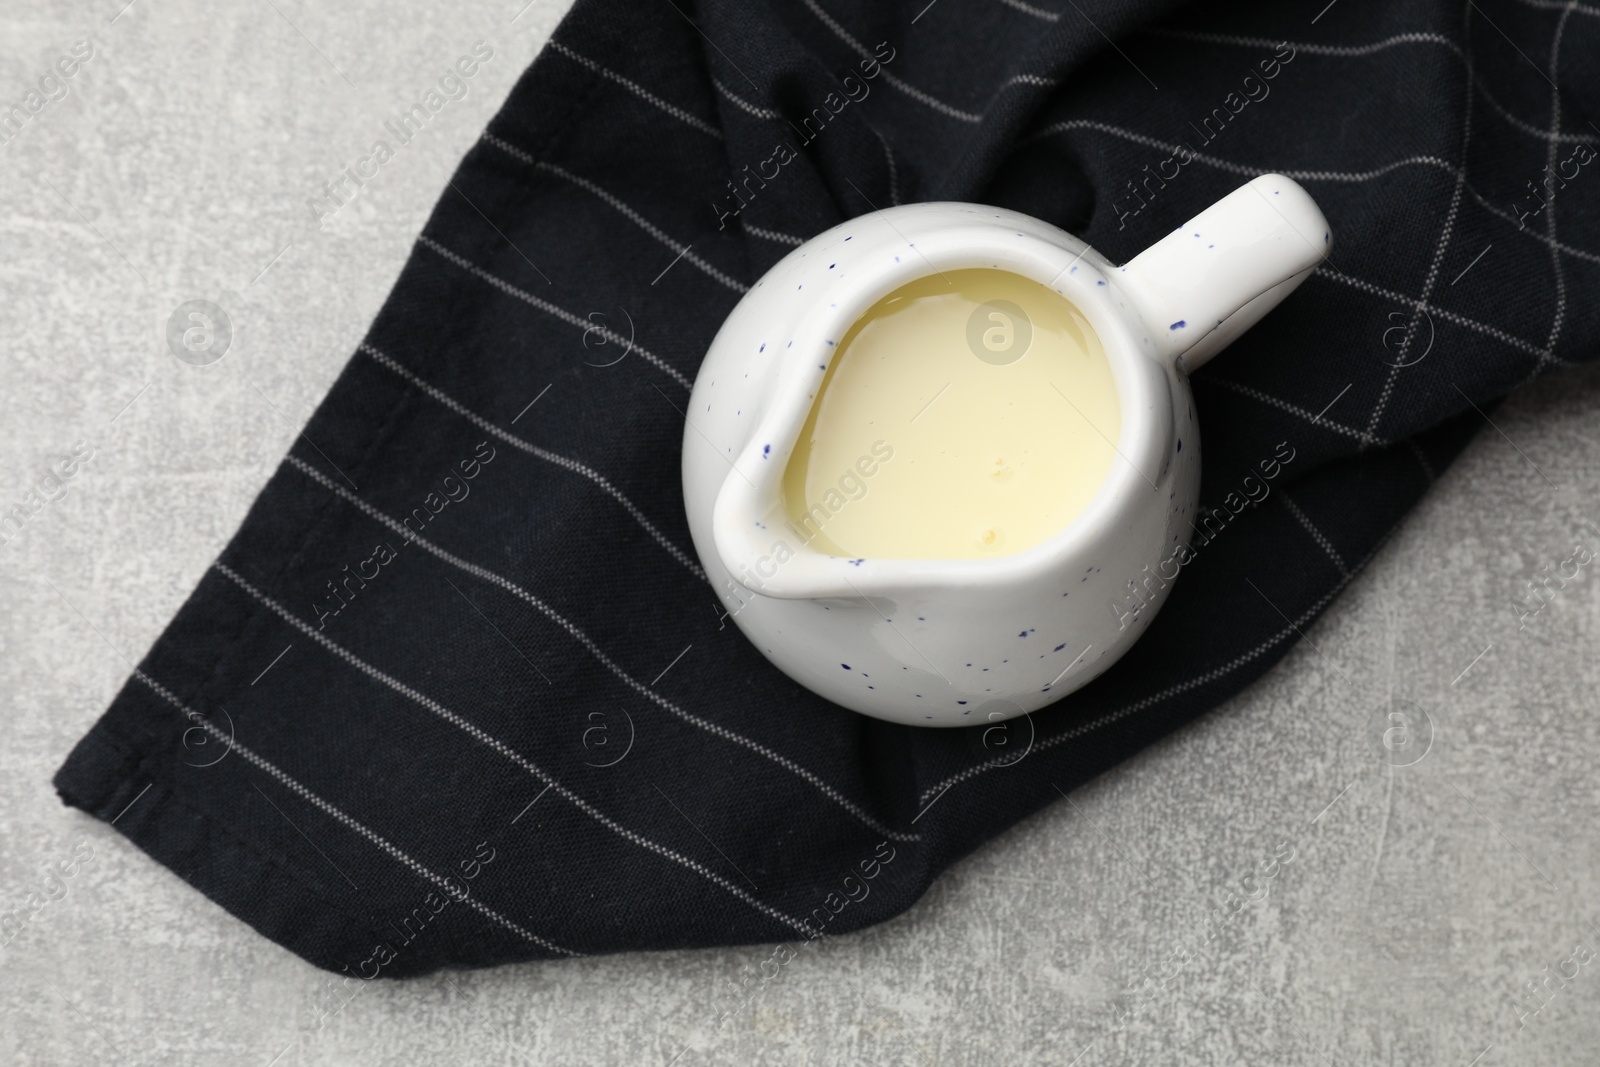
[1419, 901]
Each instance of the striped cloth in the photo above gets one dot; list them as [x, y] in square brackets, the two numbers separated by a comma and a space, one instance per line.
[458, 692]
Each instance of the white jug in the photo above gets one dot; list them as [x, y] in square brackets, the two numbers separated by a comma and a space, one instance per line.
[957, 642]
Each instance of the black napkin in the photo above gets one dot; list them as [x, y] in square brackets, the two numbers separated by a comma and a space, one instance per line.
[457, 692]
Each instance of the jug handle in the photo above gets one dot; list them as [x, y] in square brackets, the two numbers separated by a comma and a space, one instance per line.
[1201, 286]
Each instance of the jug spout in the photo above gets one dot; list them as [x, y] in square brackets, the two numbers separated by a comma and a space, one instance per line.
[1201, 286]
[768, 554]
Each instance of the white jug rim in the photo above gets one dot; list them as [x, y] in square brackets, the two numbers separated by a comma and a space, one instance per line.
[894, 247]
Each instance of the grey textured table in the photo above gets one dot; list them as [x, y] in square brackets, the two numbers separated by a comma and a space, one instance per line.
[187, 161]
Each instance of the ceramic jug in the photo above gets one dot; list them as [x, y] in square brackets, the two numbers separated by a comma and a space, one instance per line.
[958, 642]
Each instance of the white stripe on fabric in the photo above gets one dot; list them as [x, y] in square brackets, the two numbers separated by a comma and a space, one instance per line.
[1293, 409]
[550, 309]
[550, 457]
[1422, 461]
[894, 171]
[1557, 5]
[633, 216]
[1038, 13]
[496, 745]
[771, 235]
[349, 821]
[746, 106]
[594, 649]
[638, 90]
[910, 90]
[1316, 535]
[1227, 165]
